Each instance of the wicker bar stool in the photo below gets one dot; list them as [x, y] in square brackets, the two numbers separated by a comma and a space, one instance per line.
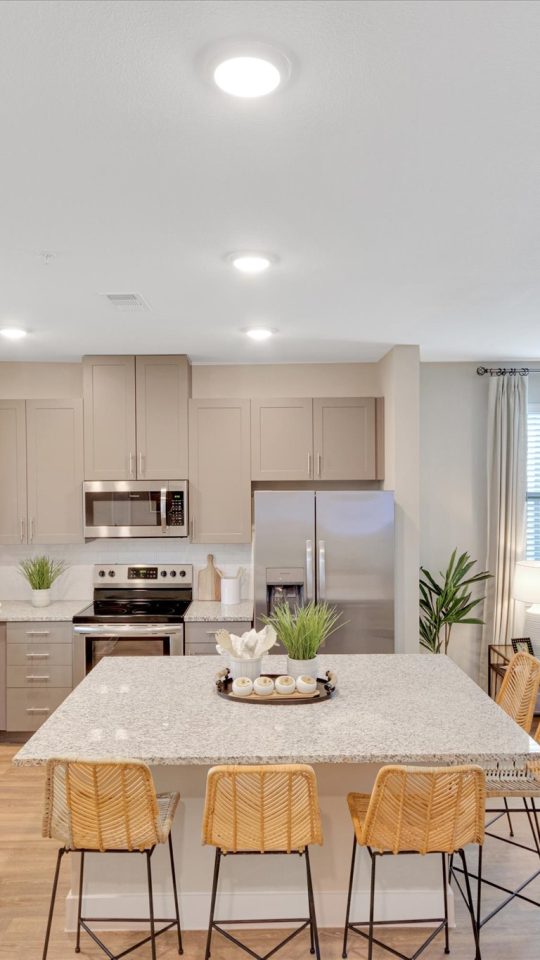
[262, 810]
[108, 807]
[517, 697]
[415, 810]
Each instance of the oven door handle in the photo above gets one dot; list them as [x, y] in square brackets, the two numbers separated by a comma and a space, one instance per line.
[129, 630]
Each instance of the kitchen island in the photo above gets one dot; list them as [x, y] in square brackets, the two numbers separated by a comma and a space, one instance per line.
[166, 711]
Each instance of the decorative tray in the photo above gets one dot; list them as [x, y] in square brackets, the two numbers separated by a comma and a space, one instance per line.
[325, 688]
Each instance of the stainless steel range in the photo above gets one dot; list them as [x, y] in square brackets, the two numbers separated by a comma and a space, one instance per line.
[138, 610]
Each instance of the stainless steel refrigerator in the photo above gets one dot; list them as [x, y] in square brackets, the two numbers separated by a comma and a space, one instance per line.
[336, 546]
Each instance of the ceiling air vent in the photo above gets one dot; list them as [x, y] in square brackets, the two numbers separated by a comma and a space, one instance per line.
[127, 301]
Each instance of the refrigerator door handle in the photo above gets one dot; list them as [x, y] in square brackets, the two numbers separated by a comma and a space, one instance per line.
[322, 570]
[309, 569]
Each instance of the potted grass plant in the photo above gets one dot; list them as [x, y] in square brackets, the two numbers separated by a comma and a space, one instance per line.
[302, 631]
[41, 572]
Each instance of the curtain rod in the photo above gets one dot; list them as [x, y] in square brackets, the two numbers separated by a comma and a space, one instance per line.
[506, 371]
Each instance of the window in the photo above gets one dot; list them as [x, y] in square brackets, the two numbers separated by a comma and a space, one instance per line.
[533, 482]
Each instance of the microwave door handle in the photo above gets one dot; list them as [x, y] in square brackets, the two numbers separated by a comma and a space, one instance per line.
[163, 508]
[309, 569]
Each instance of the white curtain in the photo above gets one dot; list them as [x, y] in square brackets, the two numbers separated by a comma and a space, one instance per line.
[506, 485]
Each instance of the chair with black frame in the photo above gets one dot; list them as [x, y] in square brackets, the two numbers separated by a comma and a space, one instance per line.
[108, 807]
[517, 697]
[417, 810]
[262, 810]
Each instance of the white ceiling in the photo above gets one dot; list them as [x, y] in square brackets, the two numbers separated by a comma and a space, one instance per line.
[397, 176]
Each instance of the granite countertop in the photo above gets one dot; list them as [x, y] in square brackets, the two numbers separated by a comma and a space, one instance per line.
[386, 709]
[207, 611]
[11, 610]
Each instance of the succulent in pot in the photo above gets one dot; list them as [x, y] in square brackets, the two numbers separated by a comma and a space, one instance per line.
[302, 631]
[41, 572]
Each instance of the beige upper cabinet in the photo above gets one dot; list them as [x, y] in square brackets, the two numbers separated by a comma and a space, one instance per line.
[54, 432]
[109, 418]
[282, 439]
[344, 437]
[219, 471]
[162, 390]
[12, 471]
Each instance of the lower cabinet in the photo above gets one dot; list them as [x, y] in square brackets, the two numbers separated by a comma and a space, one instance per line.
[200, 638]
[38, 671]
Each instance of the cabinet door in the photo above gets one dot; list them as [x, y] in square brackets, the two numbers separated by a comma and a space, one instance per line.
[162, 387]
[219, 471]
[54, 445]
[12, 471]
[109, 418]
[344, 435]
[282, 439]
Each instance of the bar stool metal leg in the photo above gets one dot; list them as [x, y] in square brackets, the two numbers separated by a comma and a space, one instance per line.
[470, 904]
[313, 919]
[371, 903]
[175, 893]
[445, 895]
[213, 902]
[151, 903]
[349, 897]
[61, 853]
[79, 908]
[507, 808]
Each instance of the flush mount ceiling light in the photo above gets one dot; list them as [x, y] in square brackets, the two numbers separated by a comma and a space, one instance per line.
[248, 69]
[260, 333]
[13, 333]
[251, 262]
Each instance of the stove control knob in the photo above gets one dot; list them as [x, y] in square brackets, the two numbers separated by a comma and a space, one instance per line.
[173, 573]
[112, 573]
[101, 573]
[182, 573]
[163, 573]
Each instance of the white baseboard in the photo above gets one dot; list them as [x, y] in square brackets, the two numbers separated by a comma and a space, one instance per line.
[194, 907]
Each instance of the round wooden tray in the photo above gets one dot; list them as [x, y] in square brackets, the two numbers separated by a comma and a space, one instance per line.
[325, 689]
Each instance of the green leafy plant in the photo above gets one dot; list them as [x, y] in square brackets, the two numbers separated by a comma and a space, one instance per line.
[444, 603]
[303, 630]
[41, 572]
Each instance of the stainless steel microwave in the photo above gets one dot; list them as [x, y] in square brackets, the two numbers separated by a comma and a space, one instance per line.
[135, 508]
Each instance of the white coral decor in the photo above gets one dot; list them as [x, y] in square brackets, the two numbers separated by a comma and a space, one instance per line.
[250, 646]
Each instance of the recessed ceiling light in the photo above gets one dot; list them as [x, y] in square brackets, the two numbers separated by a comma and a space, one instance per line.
[260, 333]
[250, 262]
[13, 333]
[247, 77]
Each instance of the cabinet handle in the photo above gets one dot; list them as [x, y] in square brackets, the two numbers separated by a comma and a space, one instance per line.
[31, 529]
[22, 530]
[192, 528]
[38, 710]
[131, 467]
[309, 465]
[211, 633]
[319, 464]
[141, 464]
[37, 656]
[34, 676]
[38, 633]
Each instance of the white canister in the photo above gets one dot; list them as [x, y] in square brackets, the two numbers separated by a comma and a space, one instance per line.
[230, 590]
[244, 668]
[41, 598]
[297, 668]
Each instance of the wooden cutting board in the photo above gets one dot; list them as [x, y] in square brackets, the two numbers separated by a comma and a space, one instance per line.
[209, 581]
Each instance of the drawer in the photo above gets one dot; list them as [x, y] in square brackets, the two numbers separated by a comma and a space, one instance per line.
[36, 654]
[39, 675]
[200, 636]
[27, 709]
[38, 631]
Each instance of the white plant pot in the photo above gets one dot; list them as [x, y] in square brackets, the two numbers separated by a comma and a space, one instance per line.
[244, 668]
[41, 598]
[303, 668]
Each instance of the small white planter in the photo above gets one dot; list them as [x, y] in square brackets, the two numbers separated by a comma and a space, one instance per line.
[41, 598]
[244, 668]
[303, 668]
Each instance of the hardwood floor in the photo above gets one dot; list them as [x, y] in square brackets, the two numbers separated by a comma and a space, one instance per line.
[26, 870]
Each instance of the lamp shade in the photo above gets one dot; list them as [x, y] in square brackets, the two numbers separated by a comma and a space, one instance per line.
[526, 585]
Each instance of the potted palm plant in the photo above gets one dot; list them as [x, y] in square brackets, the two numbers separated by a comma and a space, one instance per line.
[302, 631]
[448, 601]
[41, 573]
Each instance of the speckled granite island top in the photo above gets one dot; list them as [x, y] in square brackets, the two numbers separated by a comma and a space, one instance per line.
[387, 709]
[62, 610]
[212, 611]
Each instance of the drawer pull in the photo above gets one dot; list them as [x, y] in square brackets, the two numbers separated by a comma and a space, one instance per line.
[38, 633]
[37, 656]
[33, 676]
[37, 710]
[211, 633]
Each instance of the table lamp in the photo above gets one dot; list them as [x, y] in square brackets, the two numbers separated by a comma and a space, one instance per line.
[526, 587]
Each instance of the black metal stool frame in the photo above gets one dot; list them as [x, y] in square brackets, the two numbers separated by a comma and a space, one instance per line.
[304, 922]
[82, 922]
[371, 923]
